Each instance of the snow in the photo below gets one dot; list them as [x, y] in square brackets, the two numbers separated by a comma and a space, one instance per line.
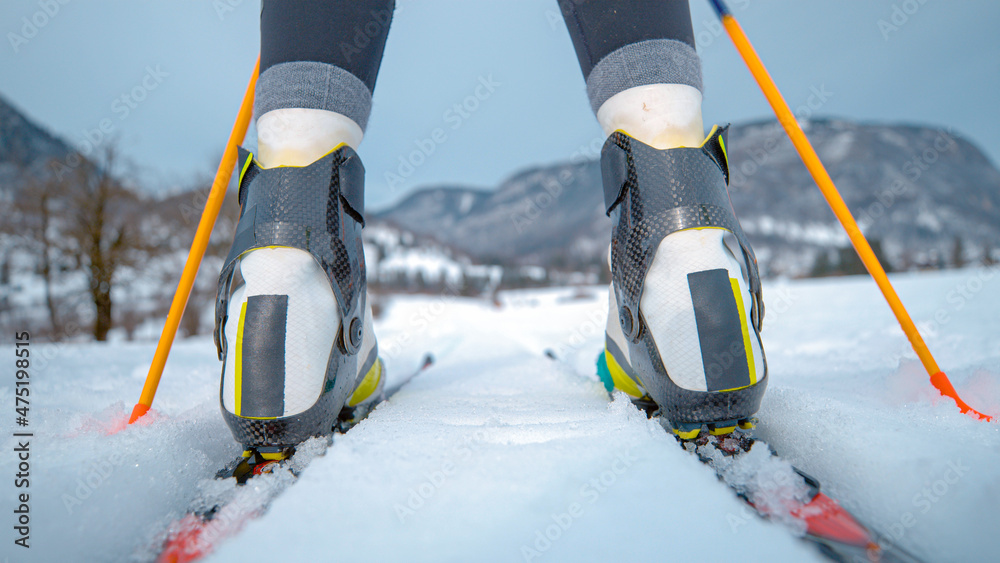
[497, 453]
[839, 147]
[465, 204]
[432, 265]
[391, 256]
[769, 482]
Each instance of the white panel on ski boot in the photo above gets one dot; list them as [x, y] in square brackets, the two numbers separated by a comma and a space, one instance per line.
[667, 308]
[311, 325]
[614, 329]
[364, 352]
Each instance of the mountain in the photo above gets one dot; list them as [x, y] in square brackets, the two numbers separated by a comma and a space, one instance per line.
[24, 146]
[923, 193]
[915, 189]
[925, 196]
[543, 216]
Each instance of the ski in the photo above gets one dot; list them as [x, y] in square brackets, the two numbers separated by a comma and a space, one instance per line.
[776, 490]
[258, 481]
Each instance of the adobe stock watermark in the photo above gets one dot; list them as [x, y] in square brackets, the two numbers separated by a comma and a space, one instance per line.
[233, 514]
[421, 320]
[588, 151]
[911, 170]
[899, 16]
[709, 31]
[33, 24]
[70, 329]
[760, 155]
[591, 491]
[777, 302]
[92, 139]
[97, 474]
[923, 501]
[582, 334]
[365, 32]
[418, 495]
[784, 486]
[454, 117]
[530, 208]
[961, 294]
[225, 7]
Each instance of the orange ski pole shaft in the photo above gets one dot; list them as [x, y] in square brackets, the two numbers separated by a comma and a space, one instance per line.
[198, 247]
[836, 202]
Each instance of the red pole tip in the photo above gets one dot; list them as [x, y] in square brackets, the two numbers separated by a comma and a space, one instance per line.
[943, 384]
[137, 412]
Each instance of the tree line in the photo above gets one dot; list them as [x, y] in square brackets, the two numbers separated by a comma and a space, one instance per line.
[75, 239]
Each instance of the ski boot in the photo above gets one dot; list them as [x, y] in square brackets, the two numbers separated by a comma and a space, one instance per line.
[293, 327]
[683, 334]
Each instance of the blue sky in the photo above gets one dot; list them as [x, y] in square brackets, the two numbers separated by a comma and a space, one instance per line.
[191, 60]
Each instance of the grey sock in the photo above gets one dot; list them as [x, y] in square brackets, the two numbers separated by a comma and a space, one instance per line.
[313, 85]
[655, 61]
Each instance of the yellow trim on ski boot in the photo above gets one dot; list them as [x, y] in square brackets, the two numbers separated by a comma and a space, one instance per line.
[368, 385]
[238, 371]
[751, 365]
[253, 158]
[687, 434]
[691, 430]
[723, 427]
[722, 143]
[269, 456]
[720, 430]
[243, 170]
[621, 379]
[238, 368]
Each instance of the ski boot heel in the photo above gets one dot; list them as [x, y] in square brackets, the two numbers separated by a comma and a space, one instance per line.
[292, 324]
[369, 391]
[685, 304]
[255, 461]
[692, 430]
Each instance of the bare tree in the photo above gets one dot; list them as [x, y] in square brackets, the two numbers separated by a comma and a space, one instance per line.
[34, 207]
[101, 232]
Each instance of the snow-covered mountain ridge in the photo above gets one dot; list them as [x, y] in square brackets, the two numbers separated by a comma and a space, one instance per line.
[915, 189]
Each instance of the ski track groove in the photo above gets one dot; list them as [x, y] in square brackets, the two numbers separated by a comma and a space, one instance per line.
[519, 438]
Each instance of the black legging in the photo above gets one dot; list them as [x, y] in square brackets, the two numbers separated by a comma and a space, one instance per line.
[599, 27]
[351, 35]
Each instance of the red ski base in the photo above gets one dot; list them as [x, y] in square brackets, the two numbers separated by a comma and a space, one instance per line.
[826, 521]
[195, 536]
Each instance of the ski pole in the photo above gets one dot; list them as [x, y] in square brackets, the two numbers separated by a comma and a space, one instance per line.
[836, 202]
[198, 247]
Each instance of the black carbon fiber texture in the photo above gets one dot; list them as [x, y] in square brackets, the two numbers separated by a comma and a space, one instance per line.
[306, 208]
[311, 208]
[650, 194]
[683, 405]
[318, 420]
[655, 193]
